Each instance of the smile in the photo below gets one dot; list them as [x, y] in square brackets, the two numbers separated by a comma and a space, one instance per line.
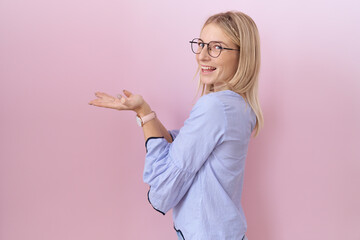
[207, 69]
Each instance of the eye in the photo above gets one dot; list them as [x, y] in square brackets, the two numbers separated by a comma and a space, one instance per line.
[217, 47]
[201, 44]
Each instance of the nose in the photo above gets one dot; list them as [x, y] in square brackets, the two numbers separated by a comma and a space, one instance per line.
[204, 54]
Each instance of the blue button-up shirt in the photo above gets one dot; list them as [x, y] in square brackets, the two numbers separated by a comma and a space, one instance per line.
[200, 174]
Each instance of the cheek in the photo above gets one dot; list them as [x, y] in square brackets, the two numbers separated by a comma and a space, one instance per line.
[229, 69]
[232, 65]
[197, 58]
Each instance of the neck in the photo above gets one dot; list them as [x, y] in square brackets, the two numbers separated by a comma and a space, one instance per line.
[221, 87]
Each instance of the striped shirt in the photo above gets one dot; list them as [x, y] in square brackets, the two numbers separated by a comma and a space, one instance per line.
[200, 174]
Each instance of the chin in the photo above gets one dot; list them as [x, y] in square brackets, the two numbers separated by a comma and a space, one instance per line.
[207, 81]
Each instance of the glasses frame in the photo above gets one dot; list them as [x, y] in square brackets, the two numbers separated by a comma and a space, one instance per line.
[195, 40]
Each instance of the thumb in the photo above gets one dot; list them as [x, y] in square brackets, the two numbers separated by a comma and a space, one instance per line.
[127, 93]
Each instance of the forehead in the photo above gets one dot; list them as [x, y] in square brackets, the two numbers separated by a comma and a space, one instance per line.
[213, 32]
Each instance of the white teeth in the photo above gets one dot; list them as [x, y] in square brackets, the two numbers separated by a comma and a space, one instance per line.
[207, 68]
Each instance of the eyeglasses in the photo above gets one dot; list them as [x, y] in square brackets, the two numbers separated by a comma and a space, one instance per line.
[214, 48]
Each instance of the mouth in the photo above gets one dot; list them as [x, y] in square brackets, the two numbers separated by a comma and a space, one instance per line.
[207, 69]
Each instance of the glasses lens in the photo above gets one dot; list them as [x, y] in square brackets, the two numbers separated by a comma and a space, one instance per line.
[215, 49]
[196, 46]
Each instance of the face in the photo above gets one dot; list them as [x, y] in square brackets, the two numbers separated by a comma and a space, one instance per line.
[224, 66]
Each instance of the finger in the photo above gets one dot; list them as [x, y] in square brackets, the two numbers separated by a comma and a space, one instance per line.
[127, 93]
[95, 101]
[107, 95]
[99, 94]
[91, 102]
[100, 103]
[122, 99]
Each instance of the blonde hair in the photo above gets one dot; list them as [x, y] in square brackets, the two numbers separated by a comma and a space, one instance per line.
[243, 32]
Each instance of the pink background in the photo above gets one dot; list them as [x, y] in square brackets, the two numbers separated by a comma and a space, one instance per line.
[73, 171]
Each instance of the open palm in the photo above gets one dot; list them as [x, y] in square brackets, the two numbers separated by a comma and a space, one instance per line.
[130, 102]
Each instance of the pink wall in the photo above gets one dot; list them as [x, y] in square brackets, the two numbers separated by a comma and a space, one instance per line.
[72, 171]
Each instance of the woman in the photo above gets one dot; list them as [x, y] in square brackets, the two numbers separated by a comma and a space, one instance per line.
[198, 170]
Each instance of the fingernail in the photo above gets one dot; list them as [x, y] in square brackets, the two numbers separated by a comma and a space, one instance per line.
[119, 96]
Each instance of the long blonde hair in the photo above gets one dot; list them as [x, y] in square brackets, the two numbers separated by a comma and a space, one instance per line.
[243, 32]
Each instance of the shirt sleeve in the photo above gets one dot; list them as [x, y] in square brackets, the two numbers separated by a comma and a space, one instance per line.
[170, 168]
[173, 133]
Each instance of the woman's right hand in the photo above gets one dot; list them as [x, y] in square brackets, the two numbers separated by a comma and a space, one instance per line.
[130, 102]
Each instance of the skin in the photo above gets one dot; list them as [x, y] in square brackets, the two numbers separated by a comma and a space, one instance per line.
[225, 64]
[136, 103]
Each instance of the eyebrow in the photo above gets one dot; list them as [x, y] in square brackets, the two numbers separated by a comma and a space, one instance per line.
[217, 41]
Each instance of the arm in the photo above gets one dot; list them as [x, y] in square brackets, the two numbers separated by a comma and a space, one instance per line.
[154, 127]
[170, 169]
[136, 103]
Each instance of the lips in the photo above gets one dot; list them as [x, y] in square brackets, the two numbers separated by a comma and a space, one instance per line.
[207, 69]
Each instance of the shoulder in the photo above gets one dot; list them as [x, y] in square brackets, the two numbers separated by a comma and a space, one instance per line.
[211, 100]
[209, 105]
[237, 110]
[208, 114]
[233, 105]
[224, 101]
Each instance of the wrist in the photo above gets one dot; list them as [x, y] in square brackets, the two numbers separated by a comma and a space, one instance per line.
[143, 110]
